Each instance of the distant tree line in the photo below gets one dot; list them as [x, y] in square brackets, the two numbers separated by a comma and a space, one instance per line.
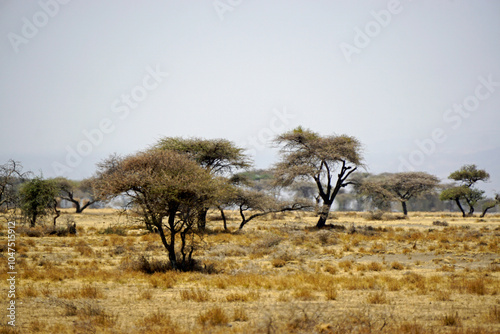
[174, 183]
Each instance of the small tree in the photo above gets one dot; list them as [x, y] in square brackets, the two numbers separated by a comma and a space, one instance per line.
[401, 187]
[72, 191]
[327, 160]
[38, 199]
[169, 188]
[11, 176]
[490, 204]
[467, 176]
[261, 204]
[455, 194]
[218, 156]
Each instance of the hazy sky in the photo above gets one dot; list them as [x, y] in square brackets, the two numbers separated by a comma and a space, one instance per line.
[417, 82]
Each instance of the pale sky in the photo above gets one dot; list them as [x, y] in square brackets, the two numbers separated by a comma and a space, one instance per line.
[417, 82]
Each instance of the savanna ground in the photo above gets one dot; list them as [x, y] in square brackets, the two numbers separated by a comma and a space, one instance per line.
[370, 274]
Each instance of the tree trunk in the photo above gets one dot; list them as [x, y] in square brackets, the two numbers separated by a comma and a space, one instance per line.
[486, 209]
[405, 210]
[77, 206]
[79, 209]
[58, 213]
[323, 216]
[223, 218]
[460, 207]
[33, 219]
[202, 219]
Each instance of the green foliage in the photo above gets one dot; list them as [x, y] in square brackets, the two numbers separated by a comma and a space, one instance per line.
[468, 175]
[38, 198]
[165, 185]
[215, 155]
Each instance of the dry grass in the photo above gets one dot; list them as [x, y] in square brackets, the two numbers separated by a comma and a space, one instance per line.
[278, 275]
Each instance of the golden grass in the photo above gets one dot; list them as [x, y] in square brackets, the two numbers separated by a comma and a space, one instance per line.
[277, 275]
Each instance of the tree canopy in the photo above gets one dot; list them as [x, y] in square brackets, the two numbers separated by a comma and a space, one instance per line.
[467, 176]
[37, 198]
[400, 187]
[327, 160]
[165, 185]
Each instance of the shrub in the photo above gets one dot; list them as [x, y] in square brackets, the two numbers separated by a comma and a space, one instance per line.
[451, 319]
[114, 229]
[331, 293]
[440, 223]
[377, 298]
[397, 266]
[214, 316]
[240, 314]
[196, 295]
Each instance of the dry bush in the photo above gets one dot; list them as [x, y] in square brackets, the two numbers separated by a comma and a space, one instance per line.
[374, 215]
[451, 319]
[476, 286]
[240, 314]
[397, 266]
[375, 266]
[145, 265]
[331, 293]
[278, 262]
[442, 295]
[29, 291]
[196, 295]
[410, 328]
[90, 291]
[332, 269]
[346, 265]
[303, 293]
[214, 316]
[242, 297]
[83, 248]
[114, 229]
[377, 298]
[164, 280]
[159, 322]
[440, 223]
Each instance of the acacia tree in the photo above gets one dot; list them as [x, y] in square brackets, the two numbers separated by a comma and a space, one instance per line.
[261, 204]
[455, 194]
[218, 156]
[490, 204]
[467, 176]
[168, 187]
[11, 176]
[73, 191]
[328, 160]
[401, 187]
[38, 199]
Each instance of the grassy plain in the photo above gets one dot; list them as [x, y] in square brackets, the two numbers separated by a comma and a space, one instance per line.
[431, 273]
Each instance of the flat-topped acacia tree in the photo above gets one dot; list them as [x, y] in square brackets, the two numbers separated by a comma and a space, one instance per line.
[400, 187]
[467, 176]
[168, 187]
[328, 160]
